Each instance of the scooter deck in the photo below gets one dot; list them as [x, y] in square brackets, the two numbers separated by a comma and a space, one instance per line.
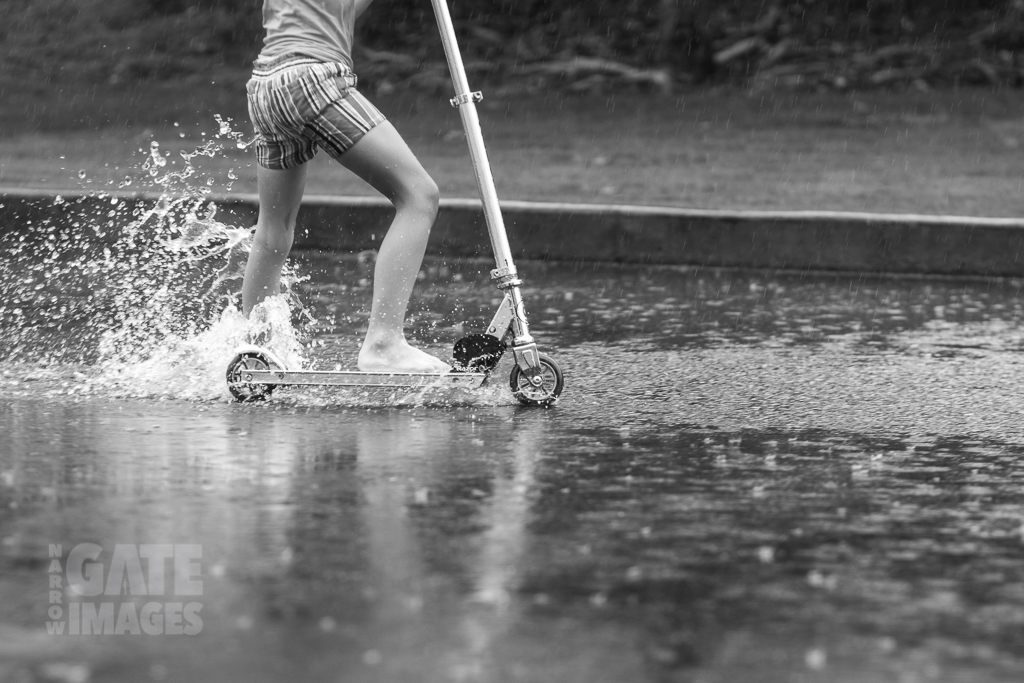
[353, 378]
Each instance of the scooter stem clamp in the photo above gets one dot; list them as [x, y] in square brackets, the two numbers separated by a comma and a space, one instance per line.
[506, 277]
[466, 98]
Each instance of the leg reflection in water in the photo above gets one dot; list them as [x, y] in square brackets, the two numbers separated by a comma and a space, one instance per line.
[408, 537]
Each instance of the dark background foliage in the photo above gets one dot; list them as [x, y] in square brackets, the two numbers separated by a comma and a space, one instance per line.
[657, 43]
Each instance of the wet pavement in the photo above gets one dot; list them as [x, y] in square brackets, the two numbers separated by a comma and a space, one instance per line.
[750, 477]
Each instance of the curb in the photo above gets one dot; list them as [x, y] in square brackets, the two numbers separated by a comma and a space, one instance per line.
[794, 240]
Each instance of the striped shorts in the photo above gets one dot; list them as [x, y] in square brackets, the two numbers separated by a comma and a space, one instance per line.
[298, 103]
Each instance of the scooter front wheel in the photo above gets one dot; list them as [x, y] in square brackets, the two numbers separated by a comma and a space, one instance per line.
[241, 386]
[546, 388]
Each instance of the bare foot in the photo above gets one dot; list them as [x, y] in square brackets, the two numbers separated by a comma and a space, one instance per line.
[398, 356]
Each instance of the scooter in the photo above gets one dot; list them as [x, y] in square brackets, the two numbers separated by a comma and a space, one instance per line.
[535, 379]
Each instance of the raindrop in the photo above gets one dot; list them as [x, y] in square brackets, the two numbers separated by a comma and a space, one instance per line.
[81, 174]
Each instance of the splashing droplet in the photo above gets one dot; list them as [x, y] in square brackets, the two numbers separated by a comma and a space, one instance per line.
[81, 174]
[155, 161]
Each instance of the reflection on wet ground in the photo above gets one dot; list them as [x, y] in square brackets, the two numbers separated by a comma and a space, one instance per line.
[750, 477]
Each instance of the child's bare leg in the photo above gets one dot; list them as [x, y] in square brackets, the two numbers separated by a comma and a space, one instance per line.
[280, 196]
[383, 160]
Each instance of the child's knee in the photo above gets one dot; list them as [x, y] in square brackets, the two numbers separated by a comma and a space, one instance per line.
[431, 194]
[426, 193]
[421, 194]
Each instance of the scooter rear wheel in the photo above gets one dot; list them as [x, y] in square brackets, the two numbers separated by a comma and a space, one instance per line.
[241, 387]
[544, 393]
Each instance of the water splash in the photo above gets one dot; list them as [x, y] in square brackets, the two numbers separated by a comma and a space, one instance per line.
[139, 295]
[193, 366]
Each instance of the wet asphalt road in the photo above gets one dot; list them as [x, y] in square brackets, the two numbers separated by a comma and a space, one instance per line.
[750, 477]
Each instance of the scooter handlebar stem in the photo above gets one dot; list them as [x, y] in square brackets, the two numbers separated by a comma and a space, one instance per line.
[465, 100]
